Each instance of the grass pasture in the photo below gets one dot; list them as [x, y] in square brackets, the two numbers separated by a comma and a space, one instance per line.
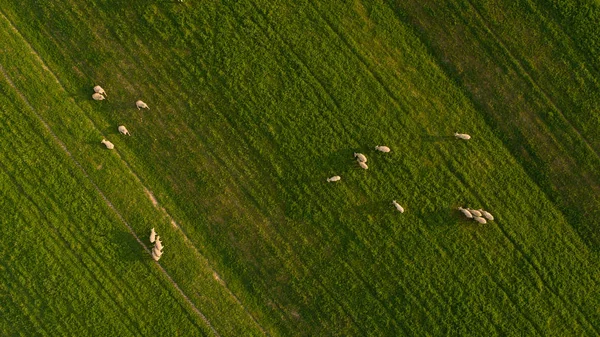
[253, 105]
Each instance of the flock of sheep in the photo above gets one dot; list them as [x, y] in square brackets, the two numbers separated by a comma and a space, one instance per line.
[158, 247]
[477, 215]
[99, 95]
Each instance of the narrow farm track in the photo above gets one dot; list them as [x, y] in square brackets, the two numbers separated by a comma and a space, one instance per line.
[146, 189]
[109, 204]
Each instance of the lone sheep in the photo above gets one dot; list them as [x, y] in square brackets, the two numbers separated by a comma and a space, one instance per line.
[487, 215]
[142, 105]
[334, 178]
[363, 165]
[382, 148]
[462, 136]
[123, 130]
[360, 157]
[98, 89]
[398, 207]
[108, 144]
[466, 212]
[480, 220]
[97, 97]
[152, 236]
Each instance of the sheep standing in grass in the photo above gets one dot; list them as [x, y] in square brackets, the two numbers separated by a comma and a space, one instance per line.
[123, 130]
[108, 144]
[363, 165]
[487, 215]
[480, 219]
[398, 207]
[155, 256]
[158, 244]
[382, 148]
[97, 97]
[157, 252]
[360, 157]
[466, 212]
[152, 236]
[462, 136]
[98, 89]
[334, 178]
[142, 105]
[475, 212]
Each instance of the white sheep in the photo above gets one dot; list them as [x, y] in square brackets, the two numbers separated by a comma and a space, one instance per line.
[108, 144]
[152, 236]
[363, 165]
[480, 219]
[466, 212]
[98, 89]
[154, 256]
[487, 215]
[123, 130]
[462, 136]
[360, 157]
[157, 252]
[97, 97]
[398, 207]
[334, 178]
[158, 243]
[140, 104]
[382, 148]
[475, 212]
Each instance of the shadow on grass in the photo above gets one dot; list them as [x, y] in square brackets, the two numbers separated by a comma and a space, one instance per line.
[434, 138]
[129, 248]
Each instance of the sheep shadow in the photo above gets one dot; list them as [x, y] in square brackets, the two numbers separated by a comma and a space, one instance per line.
[435, 139]
[129, 248]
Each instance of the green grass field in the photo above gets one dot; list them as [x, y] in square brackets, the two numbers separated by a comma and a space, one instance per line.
[252, 106]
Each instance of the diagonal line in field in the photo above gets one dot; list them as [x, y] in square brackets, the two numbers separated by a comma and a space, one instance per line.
[110, 205]
[146, 190]
[525, 74]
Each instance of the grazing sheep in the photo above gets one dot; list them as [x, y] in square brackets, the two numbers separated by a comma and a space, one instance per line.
[334, 178]
[154, 256]
[480, 219]
[108, 144]
[98, 89]
[140, 104]
[462, 136]
[487, 215]
[363, 165]
[382, 148]
[123, 130]
[157, 252]
[466, 212]
[360, 157]
[152, 236]
[398, 207]
[158, 244]
[97, 97]
[475, 213]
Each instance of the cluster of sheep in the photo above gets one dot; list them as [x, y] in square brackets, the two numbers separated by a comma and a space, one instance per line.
[477, 215]
[361, 159]
[99, 95]
[158, 247]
